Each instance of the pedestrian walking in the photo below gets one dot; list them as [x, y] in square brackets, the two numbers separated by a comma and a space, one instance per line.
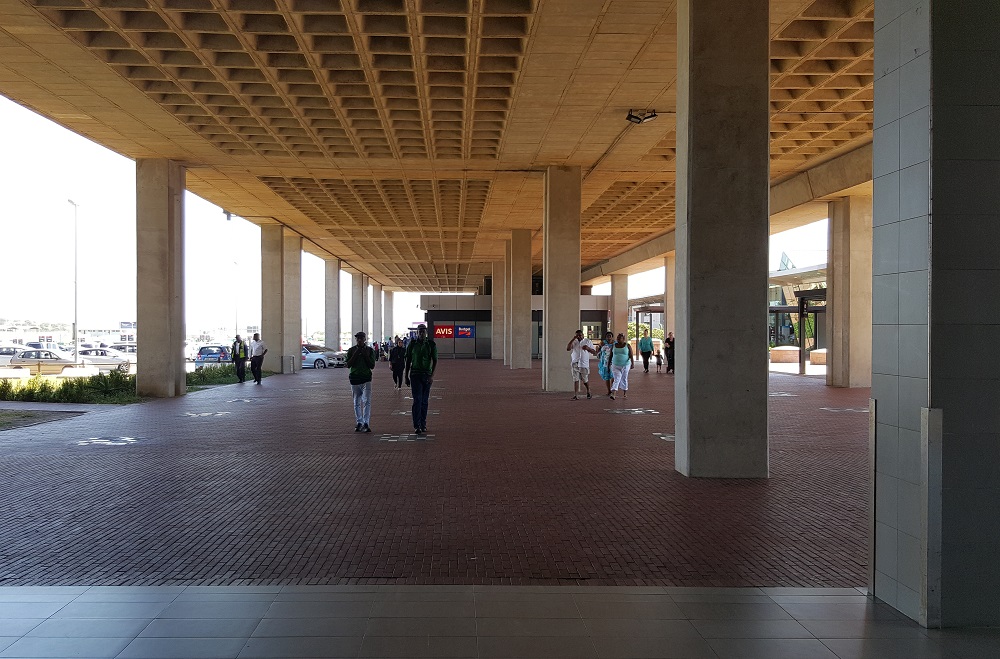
[240, 352]
[645, 349]
[669, 344]
[604, 360]
[659, 361]
[580, 349]
[257, 351]
[397, 360]
[622, 362]
[361, 360]
[418, 373]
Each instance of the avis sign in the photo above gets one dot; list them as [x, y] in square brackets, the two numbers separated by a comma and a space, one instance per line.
[444, 331]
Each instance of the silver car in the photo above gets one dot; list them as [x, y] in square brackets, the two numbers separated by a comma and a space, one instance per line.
[106, 359]
[320, 357]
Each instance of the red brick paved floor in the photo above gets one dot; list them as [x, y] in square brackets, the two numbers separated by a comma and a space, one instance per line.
[514, 486]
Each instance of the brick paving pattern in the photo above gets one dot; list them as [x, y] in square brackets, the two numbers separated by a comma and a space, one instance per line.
[270, 484]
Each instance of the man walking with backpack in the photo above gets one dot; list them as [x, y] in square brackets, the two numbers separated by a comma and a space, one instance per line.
[361, 361]
[421, 360]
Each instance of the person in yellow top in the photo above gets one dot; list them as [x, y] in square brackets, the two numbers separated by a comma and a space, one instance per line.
[239, 353]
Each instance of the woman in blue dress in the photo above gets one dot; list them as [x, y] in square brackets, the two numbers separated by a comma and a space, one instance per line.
[604, 360]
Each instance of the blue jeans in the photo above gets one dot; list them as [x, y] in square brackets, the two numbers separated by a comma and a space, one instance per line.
[362, 402]
[420, 387]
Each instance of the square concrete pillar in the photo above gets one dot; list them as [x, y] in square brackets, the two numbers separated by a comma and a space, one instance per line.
[520, 298]
[561, 274]
[498, 317]
[291, 299]
[619, 305]
[507, 331]
[332, 307]
[376, 333]
[849, 293]
[669, 294]
[936, 315]
[359, 304]
[159, 220]
[388, 321]
[272, 293]
[722, 238]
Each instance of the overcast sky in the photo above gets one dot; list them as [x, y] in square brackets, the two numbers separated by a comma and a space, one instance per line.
[45, 165]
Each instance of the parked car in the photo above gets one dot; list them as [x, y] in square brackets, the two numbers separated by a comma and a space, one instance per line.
[106, 359]
[213, 355]
[8, 351]
[44, 362]
[321, 357]
[130, 349]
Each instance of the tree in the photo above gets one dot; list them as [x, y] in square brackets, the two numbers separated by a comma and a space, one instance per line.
[657, 333]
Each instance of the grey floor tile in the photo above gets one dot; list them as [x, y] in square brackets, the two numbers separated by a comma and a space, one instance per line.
[647, 598]
[347, 588]
[16, 597]
[288, 648]
[310, 627]
[540, 647]
[233, 589]
[422, 610]
[57, 591]
[421, 627]
[111, 610]
[426, 596]
[211, 628]
[820, 599]
[864, 629]
[728, 611]
[641, 628]
[722, 599]
[215, 610]
[6, 641]
[559, 609]
[126, 596]
[518, 596]
[90, 628]
[418, 646]
[95, 648]
[632, 610]
[226, 597]
[14, 610]
[427, 588]
[90, 590]
[700, 590]
[751, 629]
[532, 627]
[785, 592]
[617, 647]
[887, 648]
[858, 611]
[188, 648]
[319, 610]
[770, 648]
[18, 626]
[325, 596]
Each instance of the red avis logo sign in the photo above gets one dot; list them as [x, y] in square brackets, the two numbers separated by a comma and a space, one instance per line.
[444, 331]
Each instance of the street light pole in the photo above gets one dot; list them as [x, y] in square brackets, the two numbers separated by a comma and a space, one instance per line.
[76, 299]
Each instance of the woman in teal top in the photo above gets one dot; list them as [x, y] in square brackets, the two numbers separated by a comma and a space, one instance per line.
[621, 363]
[645, 349]
[604, 360]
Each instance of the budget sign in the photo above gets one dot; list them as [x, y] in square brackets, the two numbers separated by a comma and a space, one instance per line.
[465, 331]
[444, 331]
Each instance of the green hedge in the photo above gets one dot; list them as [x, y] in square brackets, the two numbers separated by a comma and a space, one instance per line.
[114, 387]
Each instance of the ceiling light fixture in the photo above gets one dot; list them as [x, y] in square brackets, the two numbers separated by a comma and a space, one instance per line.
[642, 117]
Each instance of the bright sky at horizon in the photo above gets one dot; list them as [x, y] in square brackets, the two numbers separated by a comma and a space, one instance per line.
[45, 165]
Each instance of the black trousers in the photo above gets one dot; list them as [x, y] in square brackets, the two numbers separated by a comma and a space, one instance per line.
[397, 374]
[255, 364]
[241, 369]
[670, 361]
[645, 360]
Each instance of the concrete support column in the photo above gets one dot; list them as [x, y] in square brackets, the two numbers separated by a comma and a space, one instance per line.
[291, 278]
[507, 331]
[159, 222]
[722, 238]
[388, 319]
[936, 314]
[520, 298]
[359, 299]
[619, 304]
[498, 317]
[561, 269]
[376, 333]
[849, 293]
[669, 294]
[332, 307]
[272, 291]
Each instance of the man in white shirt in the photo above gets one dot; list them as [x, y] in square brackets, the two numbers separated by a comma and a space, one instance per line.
[257, 351]
[580, 350]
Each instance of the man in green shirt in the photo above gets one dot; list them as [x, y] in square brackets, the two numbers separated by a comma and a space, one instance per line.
[361, 361]
[418, 373]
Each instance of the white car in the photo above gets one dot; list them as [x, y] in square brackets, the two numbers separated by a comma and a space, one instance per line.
[106, 359]
[8, 351]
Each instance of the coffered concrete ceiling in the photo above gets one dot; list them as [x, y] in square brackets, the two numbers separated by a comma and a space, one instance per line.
[407, 137]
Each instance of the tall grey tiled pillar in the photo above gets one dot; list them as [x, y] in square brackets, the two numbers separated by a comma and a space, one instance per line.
[388, 316]
[849, 293]
[272, 293]
[498, 315]
[520, 298]
[508, 331]
[561, 273]
[291, 280]
[359, 301]
[376, 334]
[722, 238]
[159, 222]
[936, 310]
[618, 316]
[332, 307]
[669, 294]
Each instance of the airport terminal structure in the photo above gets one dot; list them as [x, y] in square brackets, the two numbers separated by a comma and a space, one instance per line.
[445, 146]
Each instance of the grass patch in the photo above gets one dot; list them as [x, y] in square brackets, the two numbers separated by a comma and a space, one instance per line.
[115, 388]
[210, 375]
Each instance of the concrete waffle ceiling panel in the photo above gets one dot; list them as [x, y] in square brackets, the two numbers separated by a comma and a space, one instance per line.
[407, 137]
